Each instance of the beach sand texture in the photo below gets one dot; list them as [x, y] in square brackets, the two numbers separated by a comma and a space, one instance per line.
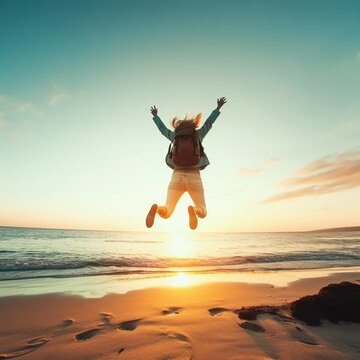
[195, 322]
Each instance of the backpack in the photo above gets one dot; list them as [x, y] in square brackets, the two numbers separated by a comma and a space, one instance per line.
[186, 148]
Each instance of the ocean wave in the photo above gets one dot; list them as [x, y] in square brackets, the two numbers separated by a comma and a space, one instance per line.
[152, 273]
[69, 263]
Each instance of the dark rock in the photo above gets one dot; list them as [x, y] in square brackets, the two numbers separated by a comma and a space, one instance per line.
[335, 302]
[252, 326]
[306, 309]
[248, 314]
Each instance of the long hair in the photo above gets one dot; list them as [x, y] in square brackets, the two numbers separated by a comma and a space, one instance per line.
[175, 122]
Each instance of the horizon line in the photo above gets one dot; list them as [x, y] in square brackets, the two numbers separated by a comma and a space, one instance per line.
[342, 228]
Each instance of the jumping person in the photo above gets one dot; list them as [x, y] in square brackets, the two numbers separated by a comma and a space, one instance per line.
[186, 157]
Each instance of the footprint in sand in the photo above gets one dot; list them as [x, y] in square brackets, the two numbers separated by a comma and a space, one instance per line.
[106, 318]
[173, 310]
[177, 336]
[301, 335]
[128, 325]
[106, 323]
[86, 335]
[29, 347]
[217, 310]
[178, 345]
[67, 322]
[247, 325]
[34, 344]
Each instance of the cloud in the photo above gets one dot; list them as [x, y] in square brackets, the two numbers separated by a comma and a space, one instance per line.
[270, 161]
[358, 55]
[58, 96]
[228, 193]
[10, 106]
[12, 112]
[248, 171]
[256, 170]
[330, 174]
[27, 108]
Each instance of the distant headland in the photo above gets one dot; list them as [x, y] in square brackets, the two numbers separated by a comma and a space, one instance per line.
[347, 228]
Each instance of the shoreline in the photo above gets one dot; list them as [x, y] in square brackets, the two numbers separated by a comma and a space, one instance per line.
[101, 285]
[172, 322]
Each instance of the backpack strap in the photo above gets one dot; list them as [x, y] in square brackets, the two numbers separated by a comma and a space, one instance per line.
[201, 149]
[196, 143]
[169, 151]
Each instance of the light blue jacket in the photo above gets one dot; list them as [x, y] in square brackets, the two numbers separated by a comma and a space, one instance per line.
[204, 161]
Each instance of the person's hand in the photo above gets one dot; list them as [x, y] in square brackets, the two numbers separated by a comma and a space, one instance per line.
[154, 110]
[221, 102]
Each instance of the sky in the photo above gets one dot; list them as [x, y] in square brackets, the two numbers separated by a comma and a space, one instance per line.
[78, 146]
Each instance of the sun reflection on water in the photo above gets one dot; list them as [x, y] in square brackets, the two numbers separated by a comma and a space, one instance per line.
[180, 246]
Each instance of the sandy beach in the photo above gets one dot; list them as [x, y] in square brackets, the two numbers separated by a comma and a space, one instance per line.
[190, 322]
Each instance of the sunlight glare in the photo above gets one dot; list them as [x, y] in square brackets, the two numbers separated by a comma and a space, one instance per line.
[180, 279]
[180, 246]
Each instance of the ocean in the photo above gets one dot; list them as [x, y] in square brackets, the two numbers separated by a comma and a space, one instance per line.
[91, 263]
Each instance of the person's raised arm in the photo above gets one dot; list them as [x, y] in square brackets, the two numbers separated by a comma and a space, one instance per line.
[160, 125]
[220, 102]
[211, 119]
